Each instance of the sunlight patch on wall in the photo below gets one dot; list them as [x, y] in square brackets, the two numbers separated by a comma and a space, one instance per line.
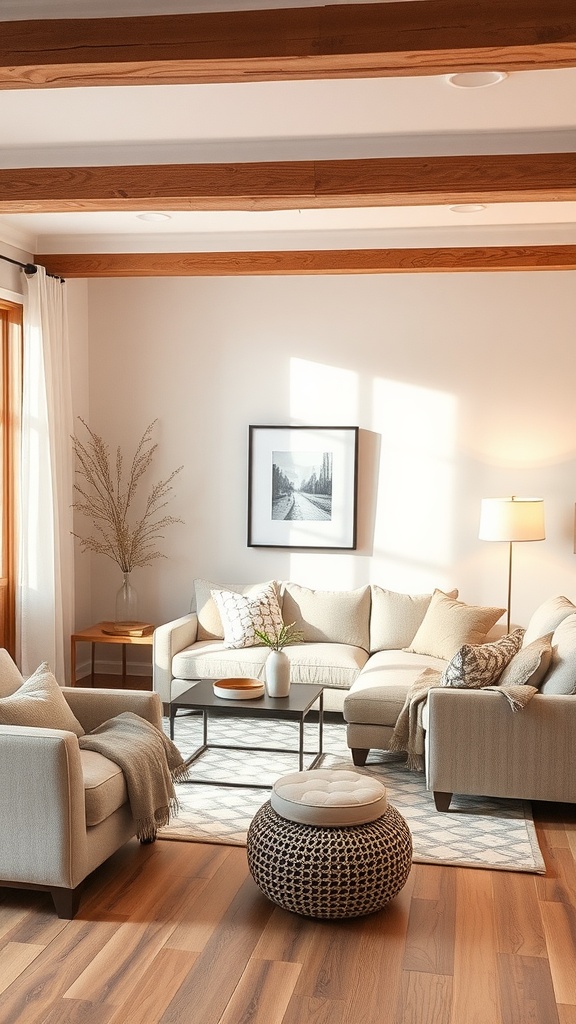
[415, 520]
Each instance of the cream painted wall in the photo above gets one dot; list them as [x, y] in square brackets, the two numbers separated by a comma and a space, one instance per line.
[463, 386]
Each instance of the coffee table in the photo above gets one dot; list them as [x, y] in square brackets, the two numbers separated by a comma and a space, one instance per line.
[294, 707]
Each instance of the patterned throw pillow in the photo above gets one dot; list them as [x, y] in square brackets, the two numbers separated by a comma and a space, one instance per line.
[477, 665]
[242, 614]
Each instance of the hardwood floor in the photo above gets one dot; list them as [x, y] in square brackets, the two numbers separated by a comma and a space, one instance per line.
[178, 933]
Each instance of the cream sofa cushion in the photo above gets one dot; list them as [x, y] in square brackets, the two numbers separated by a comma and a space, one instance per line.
[547, 617]
[329, 616]
[104, 786]
[448, 624]
[378, 695]
[11, 678]
[561, 676]
[334, 665]
[39, 703]
[209, 622]
[395, 618]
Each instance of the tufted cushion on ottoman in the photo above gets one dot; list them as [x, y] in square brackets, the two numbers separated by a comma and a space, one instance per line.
[329, 797]
[340, 850]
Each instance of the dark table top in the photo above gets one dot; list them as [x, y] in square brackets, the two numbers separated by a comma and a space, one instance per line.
[201, 695]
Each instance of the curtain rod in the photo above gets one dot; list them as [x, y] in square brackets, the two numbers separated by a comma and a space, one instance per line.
[30, 268]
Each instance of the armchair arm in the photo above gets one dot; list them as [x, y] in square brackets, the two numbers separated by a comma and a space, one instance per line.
[42, 807]
[92, 707]
[476, 744]
[168, 640]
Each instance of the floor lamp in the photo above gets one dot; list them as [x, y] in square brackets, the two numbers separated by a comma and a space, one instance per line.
[511, 519]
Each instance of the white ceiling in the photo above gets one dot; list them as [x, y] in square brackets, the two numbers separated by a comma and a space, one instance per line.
[527, 112]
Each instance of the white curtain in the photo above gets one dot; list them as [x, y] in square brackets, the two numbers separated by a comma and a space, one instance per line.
[45, 589]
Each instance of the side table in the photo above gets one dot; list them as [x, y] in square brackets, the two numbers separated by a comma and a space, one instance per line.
[96, 635]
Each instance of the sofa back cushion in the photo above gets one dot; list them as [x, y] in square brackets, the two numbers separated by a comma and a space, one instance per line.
[448, 624]
[209, 621]
[39, 703]
[530, 664]
[395, 618]
[547, 618]
[11, 678]
[561, 676]
[329, 616]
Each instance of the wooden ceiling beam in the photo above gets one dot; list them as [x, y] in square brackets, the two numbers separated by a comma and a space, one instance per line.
[321, 184]
[332, 261]
[423, 37]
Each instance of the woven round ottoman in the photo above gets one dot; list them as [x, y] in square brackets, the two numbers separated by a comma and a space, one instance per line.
[327, 844]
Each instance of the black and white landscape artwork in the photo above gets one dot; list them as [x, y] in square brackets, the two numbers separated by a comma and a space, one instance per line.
[301, 485]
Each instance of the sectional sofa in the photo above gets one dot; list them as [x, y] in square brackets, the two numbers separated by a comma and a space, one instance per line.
[369, 645]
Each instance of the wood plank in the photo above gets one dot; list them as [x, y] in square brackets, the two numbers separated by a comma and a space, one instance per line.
[206, 991]
[314, 1011]
[526, 991]
[147, 1002]
[210, 904]
[475, 993]
[285, 938]
[263, 993]
[43, 983]
[566, 1014]
[560, 928]
[78, 1011]
[292, 185]
[430, 938]
[332, 41]
[425, 999]
[518, 921]
[121, 964]
[15, 959]
[477, 259]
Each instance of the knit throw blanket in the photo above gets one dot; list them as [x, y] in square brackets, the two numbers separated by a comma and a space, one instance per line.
[151, 764]
[408, 732]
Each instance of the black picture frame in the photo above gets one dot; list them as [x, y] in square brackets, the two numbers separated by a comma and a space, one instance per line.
[302, 487]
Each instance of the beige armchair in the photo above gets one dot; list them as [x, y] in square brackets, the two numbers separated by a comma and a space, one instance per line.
[64, 810]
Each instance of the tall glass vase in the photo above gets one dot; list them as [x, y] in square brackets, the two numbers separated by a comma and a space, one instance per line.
[126, 602]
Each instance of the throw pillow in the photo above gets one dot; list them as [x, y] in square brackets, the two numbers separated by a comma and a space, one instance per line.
[478, 665]
[394, 618]
[39, 703]
[209, 622]
[329, 616]
[529, 665]
[548, 617]
[448, 624]
[242, 615]
[561, 676]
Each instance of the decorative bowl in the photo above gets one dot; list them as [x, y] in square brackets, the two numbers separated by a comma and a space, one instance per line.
[239, 689]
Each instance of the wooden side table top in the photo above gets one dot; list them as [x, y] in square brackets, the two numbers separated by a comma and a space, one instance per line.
[96, 634]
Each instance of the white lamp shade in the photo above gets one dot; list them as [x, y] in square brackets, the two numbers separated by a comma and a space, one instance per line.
[511, 519]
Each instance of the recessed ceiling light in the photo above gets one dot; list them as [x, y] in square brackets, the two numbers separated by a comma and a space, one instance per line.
[153, 216]
[476, 79]
[468, 208]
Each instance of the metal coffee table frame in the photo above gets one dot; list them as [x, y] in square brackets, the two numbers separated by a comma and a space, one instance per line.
[295, 707]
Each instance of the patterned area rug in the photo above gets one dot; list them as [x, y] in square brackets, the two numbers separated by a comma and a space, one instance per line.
[476, 832]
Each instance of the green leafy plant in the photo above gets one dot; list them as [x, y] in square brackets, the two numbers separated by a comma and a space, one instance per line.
[127, 536]
[282, 638]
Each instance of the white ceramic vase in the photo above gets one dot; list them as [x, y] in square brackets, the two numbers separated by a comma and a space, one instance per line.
[277, 674]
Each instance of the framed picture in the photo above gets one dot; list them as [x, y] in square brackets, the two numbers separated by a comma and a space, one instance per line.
[302, 487]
